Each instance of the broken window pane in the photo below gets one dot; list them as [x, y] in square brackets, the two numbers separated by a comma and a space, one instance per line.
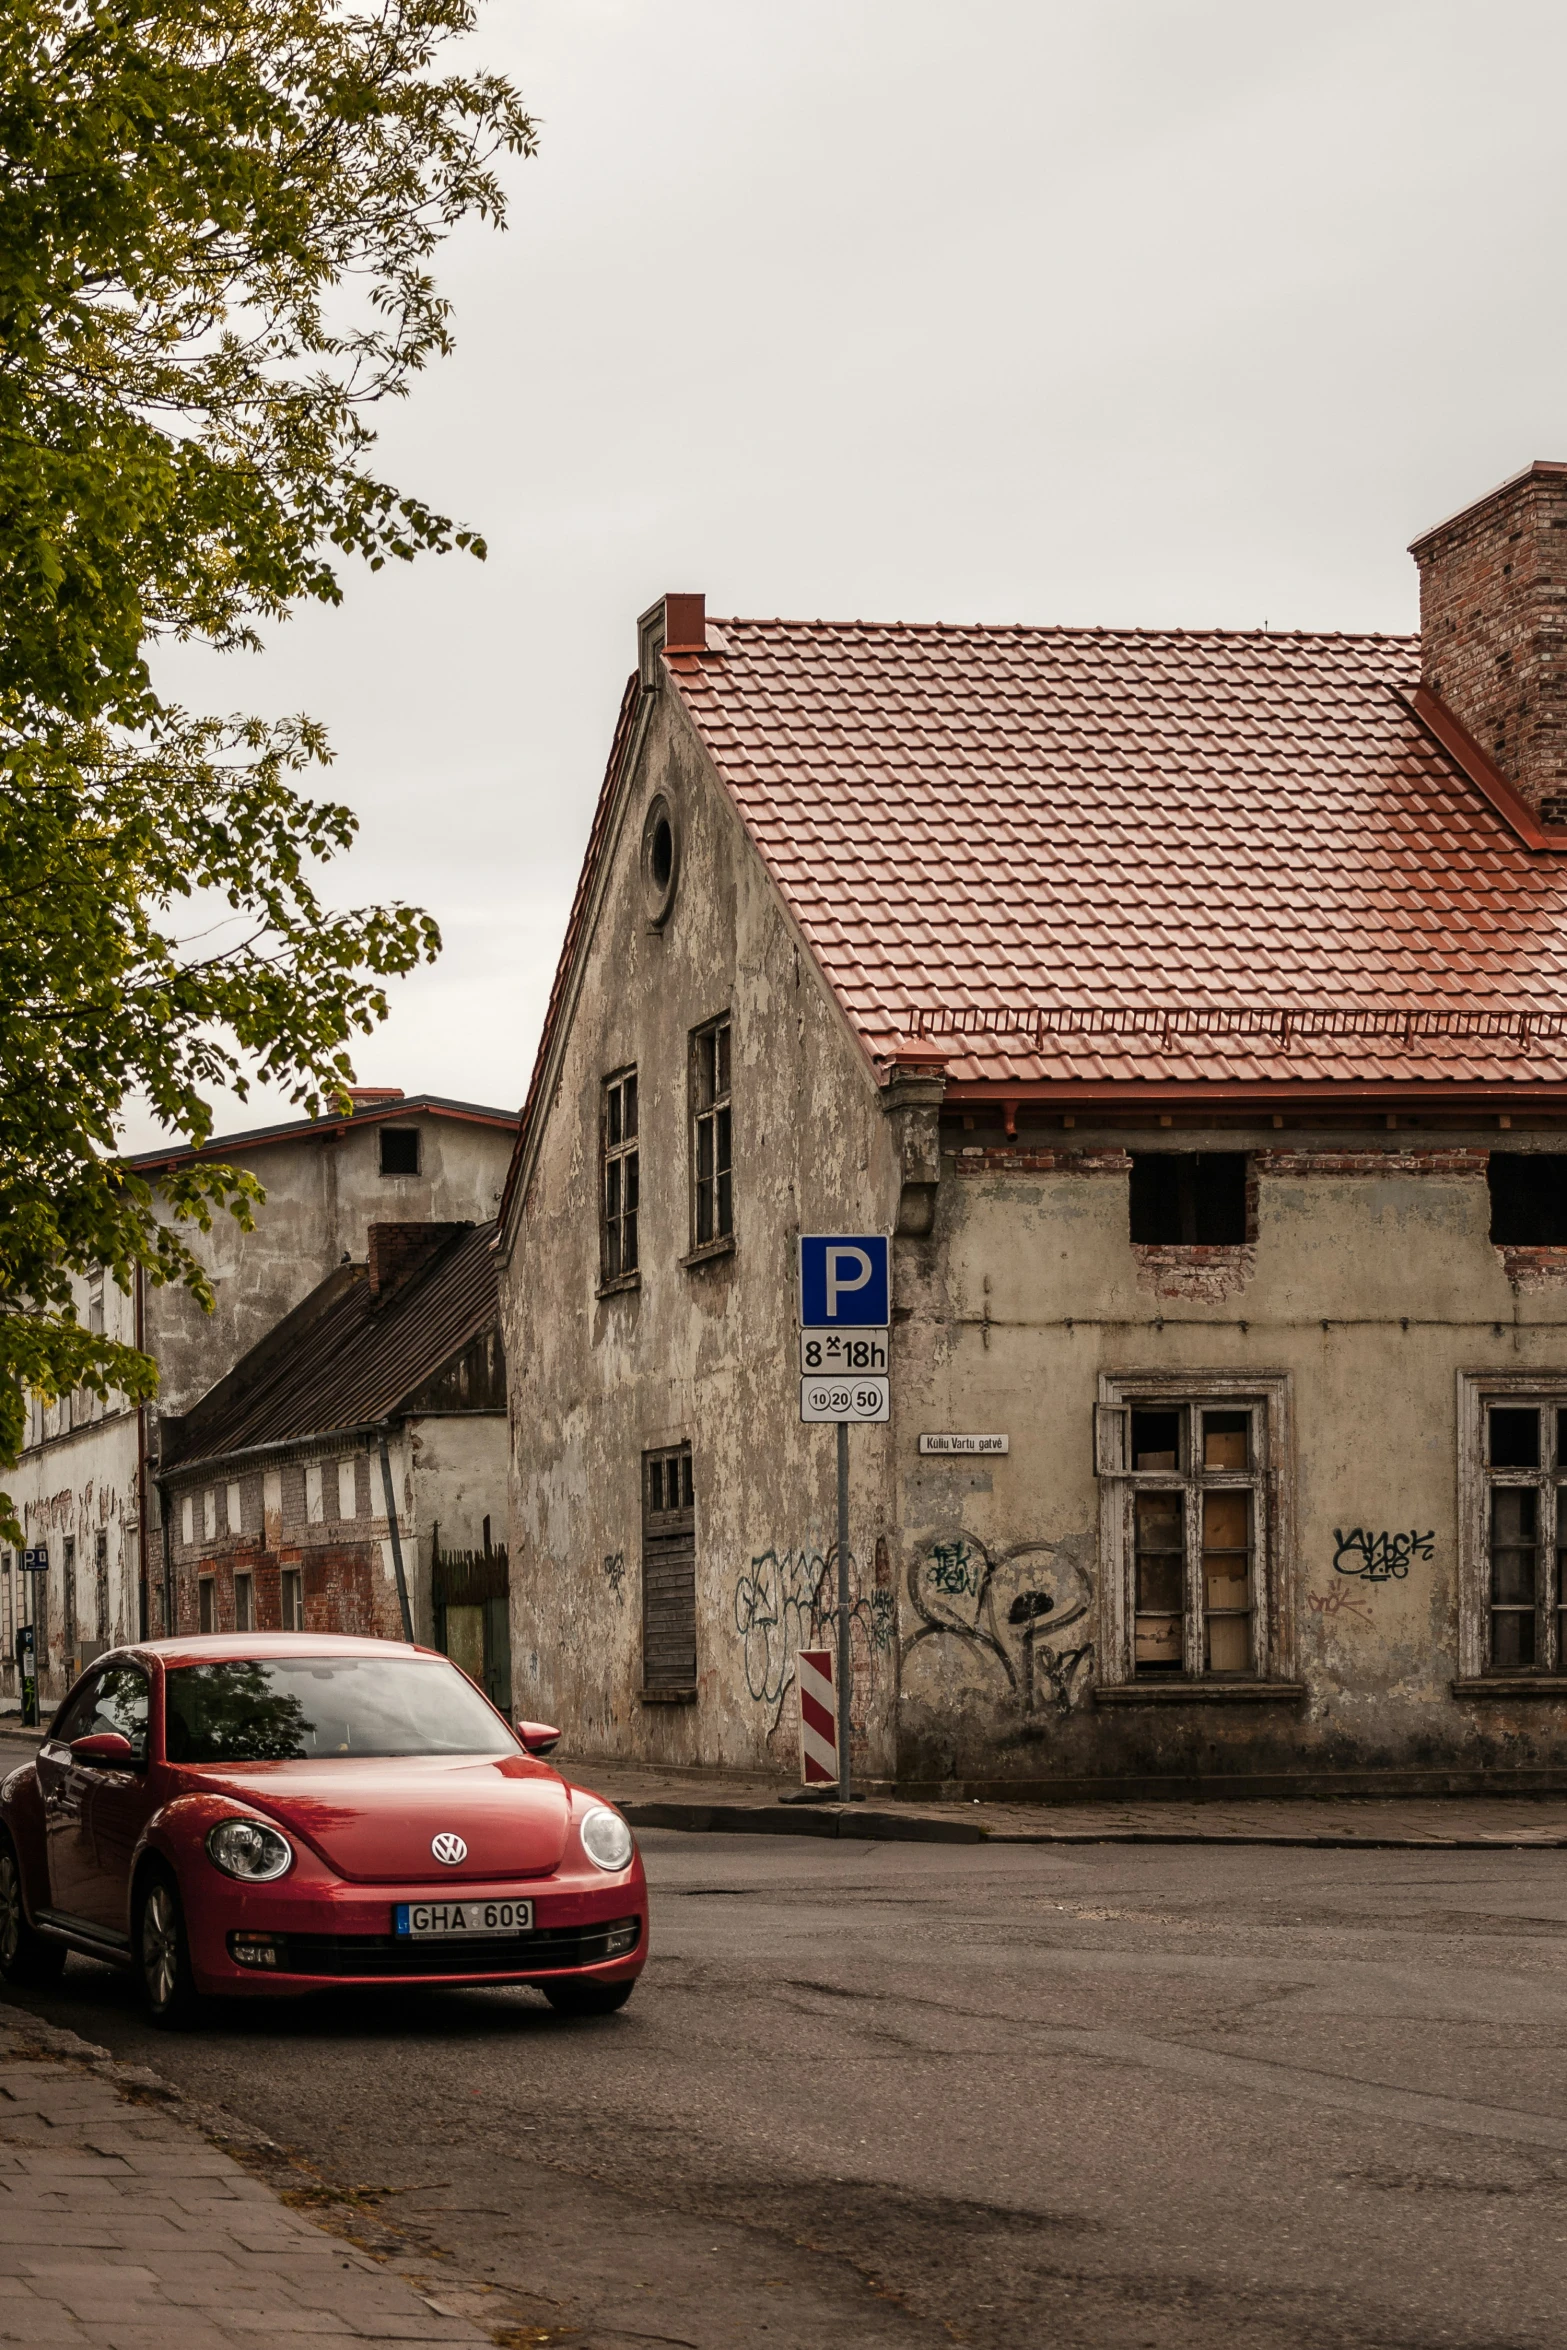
[1156, 1440]
[1515, 1438]
[1161, 1577]
[1514, 1571]
[1226, 1573]
[1226, 1438]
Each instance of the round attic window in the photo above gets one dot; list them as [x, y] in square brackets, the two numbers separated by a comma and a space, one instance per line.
[660, 860]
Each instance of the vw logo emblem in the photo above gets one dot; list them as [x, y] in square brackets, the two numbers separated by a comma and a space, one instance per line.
[449, 1848]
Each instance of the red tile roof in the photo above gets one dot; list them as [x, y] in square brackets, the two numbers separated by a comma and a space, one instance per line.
[1105, 855]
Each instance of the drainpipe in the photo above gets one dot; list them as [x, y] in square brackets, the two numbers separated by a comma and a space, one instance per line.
[143, 1596]
[170, 1627]
[397, 1545]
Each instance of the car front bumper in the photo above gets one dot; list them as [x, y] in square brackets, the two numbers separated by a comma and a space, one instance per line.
[308, 1936]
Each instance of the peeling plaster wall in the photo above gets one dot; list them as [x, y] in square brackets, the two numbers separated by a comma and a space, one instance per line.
[705, 1352]
[323, 1194]
[1030, 1288]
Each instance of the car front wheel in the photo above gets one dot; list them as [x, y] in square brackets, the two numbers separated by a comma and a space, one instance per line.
[163, 1956]
[25, 1957]
[587, 1998]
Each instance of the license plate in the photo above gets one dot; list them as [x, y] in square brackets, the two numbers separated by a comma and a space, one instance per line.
[441, 1921]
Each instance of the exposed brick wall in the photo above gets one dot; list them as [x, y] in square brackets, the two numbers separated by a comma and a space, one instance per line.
[1416, 1162]
[1535, 1268]
[1193, 1270]
[396, 1251]
[1015, 1159]
[345, 1589]
[1493, 630]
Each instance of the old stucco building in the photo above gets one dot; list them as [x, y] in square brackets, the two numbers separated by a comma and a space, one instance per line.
[1190, 1006]
[87, 1485]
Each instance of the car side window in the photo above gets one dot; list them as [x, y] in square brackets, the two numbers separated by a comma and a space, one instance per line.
[121, 1704]
[77, 1718]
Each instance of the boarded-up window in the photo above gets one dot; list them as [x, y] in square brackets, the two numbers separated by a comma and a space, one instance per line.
[315, 1505]
[668, 1573]
[347, 1490]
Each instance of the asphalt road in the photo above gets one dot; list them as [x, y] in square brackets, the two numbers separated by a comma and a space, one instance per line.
[879, 2095]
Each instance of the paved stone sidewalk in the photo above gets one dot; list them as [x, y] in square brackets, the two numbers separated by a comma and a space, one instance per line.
[738, 1803]
[123, 2228]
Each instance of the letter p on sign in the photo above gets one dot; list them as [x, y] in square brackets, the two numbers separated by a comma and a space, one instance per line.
[845, 1281]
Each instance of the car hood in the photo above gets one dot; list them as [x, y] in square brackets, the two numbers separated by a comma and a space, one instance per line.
[374, 1821]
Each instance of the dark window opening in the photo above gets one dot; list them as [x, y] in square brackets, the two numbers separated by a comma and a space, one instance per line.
[1528, 1198]
[713, 1186]
[661, 855]
[1188, 1198]
[1515, 1437]
[1156, 1440]
[399, 1150]
[621, 1196]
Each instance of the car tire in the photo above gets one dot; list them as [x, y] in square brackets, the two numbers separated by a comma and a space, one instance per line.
[162, 1955]
[587, 1998]
[27, 1959]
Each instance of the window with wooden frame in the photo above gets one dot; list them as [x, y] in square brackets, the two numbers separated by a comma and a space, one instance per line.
[1513, 1498]
[620, 1185]
[1189, 1534]
[668, 1575]
[712, 1157]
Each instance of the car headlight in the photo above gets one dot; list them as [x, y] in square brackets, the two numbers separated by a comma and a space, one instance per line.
[607, 1840]
[245, 1849]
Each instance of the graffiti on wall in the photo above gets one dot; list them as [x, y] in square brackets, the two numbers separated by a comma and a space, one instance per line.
[1379, 1558]
[787, 1600]
[1016, 1605]
[615, 1574]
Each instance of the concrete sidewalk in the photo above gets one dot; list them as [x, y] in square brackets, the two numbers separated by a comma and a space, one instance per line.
[736, 1803]
[123, 2227]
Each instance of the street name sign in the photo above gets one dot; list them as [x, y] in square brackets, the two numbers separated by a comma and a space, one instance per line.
[949, 1445]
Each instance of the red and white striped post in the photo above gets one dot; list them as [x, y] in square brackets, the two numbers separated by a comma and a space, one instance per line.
[818, 1718]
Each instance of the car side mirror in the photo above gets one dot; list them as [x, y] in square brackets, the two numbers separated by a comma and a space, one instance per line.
[538, 1737]
[109, 1747]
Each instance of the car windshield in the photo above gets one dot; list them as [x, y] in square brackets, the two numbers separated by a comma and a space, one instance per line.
[315, 1708]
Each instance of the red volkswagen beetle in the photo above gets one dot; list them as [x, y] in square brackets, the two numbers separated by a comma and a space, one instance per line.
[279, 1812]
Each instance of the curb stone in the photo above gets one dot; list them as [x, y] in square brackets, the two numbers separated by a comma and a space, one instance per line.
[851, 1822]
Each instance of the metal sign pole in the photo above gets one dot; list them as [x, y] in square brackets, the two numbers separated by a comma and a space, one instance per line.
[845, 1653]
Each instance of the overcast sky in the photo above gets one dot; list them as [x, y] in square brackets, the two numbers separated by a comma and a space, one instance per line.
[1130, 311]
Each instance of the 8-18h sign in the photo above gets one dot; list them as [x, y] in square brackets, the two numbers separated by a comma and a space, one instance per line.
[845, 1300]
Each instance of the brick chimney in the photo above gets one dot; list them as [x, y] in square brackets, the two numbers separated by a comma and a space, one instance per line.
[398, 1250]
[1493, 630]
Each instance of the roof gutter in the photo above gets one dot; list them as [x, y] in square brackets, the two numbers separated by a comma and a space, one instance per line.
[211, 1464]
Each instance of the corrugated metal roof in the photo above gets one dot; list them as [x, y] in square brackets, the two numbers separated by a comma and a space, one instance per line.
[355, 1362]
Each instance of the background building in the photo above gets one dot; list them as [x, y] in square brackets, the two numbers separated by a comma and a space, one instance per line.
[86, 1485]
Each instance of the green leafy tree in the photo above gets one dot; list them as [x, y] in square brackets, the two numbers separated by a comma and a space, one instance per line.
[217, 220]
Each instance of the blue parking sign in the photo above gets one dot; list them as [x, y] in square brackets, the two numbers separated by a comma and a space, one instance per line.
[845, 1281]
